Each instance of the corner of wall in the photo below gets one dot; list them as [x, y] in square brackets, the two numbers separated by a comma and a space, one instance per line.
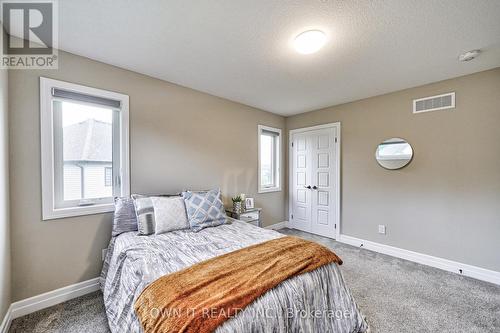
[5, 250]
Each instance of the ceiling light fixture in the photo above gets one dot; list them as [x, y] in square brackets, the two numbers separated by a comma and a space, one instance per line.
[469, 55]
[309, 41]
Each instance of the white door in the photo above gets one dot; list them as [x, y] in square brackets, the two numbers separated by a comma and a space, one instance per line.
[313, 181]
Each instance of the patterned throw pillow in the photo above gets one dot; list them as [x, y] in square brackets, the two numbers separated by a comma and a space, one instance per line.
[204, 209]
[170, 214]
[124, 219]
[145, 214]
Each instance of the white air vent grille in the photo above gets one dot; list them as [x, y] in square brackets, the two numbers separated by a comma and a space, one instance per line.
[434, 103]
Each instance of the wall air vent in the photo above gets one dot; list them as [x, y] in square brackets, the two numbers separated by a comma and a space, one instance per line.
[434, 103]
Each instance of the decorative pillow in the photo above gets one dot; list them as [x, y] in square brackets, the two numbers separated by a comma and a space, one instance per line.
[204, 209]
[124, 219]
[145, 214]
[170, 214]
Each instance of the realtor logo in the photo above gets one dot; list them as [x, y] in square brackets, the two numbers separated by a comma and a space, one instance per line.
[30, 38]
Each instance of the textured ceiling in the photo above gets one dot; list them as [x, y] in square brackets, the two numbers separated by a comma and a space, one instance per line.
[241, 50]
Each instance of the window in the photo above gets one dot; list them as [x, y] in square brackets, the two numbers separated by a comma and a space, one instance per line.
[269, 159]
[85, 149]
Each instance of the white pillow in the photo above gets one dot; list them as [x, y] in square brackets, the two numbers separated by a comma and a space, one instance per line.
[170, 214]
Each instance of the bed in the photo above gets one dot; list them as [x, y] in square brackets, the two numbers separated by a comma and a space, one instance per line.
[318, 301]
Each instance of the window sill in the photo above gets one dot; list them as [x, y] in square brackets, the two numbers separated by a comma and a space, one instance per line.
[269, 189]
[53, 214]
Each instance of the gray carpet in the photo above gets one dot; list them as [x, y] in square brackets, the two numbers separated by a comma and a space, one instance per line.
[395, 296]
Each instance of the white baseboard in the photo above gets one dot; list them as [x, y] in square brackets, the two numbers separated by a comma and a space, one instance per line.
[48, 299]
[424, 259]
[39, 302]
[277, 226]
[4, 328]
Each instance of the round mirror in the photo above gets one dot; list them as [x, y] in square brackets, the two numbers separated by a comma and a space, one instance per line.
[394, 153]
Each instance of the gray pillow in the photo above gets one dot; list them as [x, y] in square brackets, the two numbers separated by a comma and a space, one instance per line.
[124, 218]
[170, 214]
[145, 214]
[204, 209]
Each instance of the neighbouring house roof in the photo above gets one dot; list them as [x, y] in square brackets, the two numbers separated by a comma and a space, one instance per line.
[90, 140]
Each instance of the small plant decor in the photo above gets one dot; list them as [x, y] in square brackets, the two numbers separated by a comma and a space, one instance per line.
[237, 200]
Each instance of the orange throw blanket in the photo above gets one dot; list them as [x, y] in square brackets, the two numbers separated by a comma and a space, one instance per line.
[201, 297]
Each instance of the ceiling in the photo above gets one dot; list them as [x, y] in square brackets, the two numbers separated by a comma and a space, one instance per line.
[241, 50]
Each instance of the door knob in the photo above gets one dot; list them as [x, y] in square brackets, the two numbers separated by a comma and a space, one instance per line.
[308, 186]
[315, 187]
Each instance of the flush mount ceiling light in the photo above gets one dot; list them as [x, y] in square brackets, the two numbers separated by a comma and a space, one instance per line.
[469, 55]
[309, 41]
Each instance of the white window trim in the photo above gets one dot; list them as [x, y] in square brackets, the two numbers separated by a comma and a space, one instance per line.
[47, 149]
[260, 188]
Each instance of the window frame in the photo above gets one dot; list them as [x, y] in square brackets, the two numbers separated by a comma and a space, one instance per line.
[277, 149]
[121, 180]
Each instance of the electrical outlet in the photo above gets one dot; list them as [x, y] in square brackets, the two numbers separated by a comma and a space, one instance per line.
[381, 229]
[104, 252]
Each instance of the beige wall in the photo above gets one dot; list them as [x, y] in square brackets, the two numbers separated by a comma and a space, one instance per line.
[5, 273]
[180, 138]
[446, 203]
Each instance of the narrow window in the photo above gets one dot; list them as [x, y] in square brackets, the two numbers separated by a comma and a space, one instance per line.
[84, 148]
[269, 159]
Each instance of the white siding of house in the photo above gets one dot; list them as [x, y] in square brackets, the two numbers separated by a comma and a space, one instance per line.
[72, 182]
[94, 182]
[94, 177]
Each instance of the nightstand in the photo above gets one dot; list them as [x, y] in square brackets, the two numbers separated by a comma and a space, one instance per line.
[251, 215]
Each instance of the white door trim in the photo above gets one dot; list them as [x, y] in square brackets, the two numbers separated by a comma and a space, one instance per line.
[337, 170]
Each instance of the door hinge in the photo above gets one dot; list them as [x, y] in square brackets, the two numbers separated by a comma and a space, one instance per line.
[292, 216]
[335, 225]
[335, 140]
[292, 144]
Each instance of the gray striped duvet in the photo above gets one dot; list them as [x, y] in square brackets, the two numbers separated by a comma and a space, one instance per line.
[318, 301]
